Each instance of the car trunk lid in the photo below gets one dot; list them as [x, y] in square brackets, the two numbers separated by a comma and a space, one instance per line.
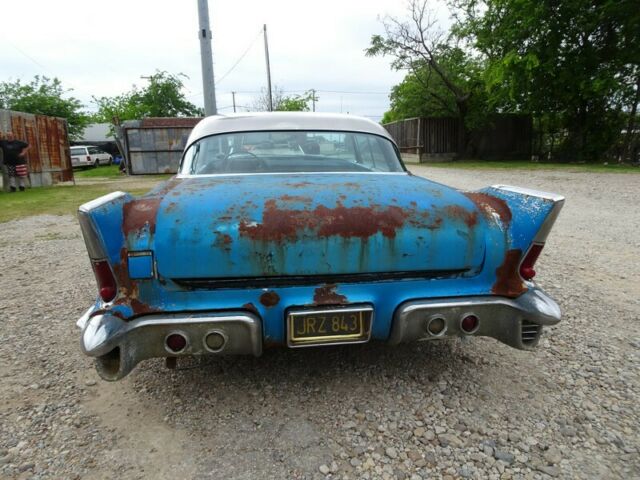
[315, 225]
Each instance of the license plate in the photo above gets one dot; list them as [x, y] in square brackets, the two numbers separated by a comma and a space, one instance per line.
[329, 326]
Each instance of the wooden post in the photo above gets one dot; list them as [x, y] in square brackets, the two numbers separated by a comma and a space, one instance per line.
[418, 142]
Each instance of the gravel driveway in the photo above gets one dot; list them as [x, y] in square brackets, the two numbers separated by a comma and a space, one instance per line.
[432, 410]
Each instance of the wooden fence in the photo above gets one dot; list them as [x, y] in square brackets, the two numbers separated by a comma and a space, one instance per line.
[505, 136]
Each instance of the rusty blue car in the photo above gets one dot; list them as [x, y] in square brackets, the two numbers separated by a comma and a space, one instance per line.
[299, 230]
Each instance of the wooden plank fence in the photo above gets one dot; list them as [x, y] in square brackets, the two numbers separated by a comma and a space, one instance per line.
[504, 136]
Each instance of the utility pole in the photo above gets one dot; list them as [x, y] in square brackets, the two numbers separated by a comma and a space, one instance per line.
[206, 57]
[266, 56]
[313, 98]
[233, 94]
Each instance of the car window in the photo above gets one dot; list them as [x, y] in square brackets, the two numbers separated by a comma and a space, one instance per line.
[94, 150]
[290, 152]
[78, 151]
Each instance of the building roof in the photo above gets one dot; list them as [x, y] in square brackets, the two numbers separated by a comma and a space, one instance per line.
[284, 121]
[96, 132]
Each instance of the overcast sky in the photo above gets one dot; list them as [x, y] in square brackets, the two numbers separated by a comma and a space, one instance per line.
[101, 48]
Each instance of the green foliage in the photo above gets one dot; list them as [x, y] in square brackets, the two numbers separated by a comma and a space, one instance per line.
[45, 96]
[162, 97]
[296, 103]
[572, 64]
[442, 78]
[423, 93]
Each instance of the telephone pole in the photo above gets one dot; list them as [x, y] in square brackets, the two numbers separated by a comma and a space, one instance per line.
[266, 56]
[233, 95]
[313, 98]
[206, 57]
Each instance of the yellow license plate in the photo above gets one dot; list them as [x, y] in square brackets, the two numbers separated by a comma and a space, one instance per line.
[330, 326]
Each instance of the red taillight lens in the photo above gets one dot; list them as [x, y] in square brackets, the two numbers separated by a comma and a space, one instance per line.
[106, 281]
[470, 323]
[526, 267]
[176, 342]
[88, 158]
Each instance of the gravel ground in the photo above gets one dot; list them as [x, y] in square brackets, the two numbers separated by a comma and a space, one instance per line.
[431, 410]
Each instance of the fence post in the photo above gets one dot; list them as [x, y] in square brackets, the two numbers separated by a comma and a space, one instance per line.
[418, 141]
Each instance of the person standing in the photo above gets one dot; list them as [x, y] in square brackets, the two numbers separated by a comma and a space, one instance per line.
[15, 160]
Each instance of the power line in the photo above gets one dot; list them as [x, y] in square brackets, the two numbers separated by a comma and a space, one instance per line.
[244, 54]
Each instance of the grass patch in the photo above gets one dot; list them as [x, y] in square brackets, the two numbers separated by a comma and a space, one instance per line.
[105, 171]
[573, 167]
[51, 200]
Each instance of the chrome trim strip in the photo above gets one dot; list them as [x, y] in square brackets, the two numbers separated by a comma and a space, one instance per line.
[558, 202]
[545, 228]
[82, 321]
[92, 238]
[218, 175]
[530, 192]
[93, 204]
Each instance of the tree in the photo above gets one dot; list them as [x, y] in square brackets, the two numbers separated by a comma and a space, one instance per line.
[422, 93]
[162, 97]
[261, 102]
[573, 64]
[434, 62]
[45, 96]
[282, 102]
[297, 103]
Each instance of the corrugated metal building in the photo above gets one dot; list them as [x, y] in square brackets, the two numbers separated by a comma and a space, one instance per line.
[49, 159]
[154, 145]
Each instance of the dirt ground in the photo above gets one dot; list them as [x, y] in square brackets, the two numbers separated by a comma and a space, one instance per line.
[430, 410]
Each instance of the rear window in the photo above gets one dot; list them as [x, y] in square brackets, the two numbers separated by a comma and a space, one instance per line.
[290, 152]
[78, 151]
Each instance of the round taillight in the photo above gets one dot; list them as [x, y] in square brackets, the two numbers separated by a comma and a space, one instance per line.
[107, 287]
[108, 293]
[214, 341]
[526, 267]
[436, 326]
[469, 323]
[176, 342]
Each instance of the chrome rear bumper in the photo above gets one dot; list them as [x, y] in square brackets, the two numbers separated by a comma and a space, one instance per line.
[516, 322]
[119, 346]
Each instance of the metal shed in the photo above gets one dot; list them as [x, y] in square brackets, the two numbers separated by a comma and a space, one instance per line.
[154, 145]
[49, 159]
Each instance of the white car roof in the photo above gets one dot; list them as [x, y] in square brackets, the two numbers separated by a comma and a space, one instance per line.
[265, 121]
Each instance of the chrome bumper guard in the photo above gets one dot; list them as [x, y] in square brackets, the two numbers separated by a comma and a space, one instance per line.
[119, 346]
[516, 322]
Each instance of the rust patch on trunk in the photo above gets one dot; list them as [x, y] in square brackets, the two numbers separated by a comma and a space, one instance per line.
[461, 213]
[126, 286]
[327, 295]
[269, 299]
[280, 224]
[508, 281]
[490, 204]
[292, 198]
[139, 213]
[140, 308]
[436, 224]
[223, 241]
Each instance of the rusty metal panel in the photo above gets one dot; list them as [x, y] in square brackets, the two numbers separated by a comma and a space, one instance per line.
[49, 158]
[184, 122]
[155, 145]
